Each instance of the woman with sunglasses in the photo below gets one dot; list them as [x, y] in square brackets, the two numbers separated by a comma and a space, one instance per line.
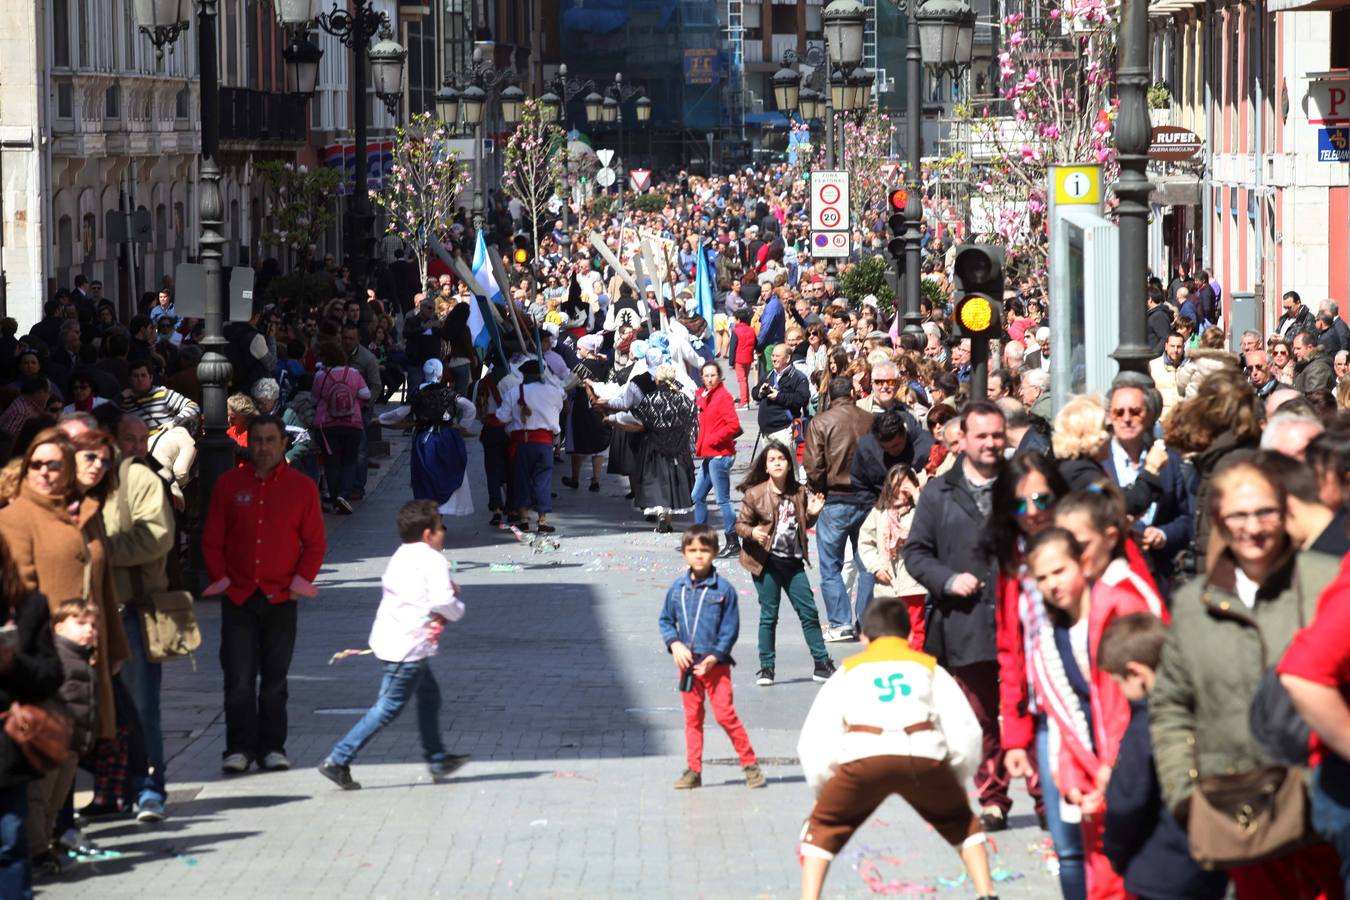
[1281, 362]
[1024, 499]
[1231, 625]
[52, 529]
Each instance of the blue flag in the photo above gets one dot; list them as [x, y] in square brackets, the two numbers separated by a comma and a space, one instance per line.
[703, 285]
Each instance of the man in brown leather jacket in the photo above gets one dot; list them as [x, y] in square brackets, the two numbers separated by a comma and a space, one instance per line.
[828, 457]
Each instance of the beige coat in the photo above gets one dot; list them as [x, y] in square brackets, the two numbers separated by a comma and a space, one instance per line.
[139, 520]
[875, 559]
[52, 552]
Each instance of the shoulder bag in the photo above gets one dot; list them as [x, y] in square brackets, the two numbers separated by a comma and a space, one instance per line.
[1249, 817]
[168, 620]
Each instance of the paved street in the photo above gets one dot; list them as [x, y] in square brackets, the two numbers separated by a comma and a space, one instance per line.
[557, 683]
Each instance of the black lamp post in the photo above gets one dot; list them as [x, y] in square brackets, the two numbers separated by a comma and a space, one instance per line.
[163, 21]
[1133, 187]
[940, 35]
[354, 28]
[463, 99]
[616, 95]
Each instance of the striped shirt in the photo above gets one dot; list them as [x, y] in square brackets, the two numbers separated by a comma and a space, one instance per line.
[160, 408]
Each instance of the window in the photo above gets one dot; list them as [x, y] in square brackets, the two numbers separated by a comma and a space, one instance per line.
[180, 104]
[61, 33]
[231, 45]
[161, 227]
[112, 102]
[1340, 39]
[65, 243]
[65, 101]
[84, 33]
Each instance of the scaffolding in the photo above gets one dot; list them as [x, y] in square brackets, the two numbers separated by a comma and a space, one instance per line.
[735, 47]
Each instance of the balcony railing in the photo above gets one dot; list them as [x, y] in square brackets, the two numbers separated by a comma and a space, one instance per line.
[249, 115]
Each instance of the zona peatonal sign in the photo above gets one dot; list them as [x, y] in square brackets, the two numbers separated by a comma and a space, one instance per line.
[1172, 143]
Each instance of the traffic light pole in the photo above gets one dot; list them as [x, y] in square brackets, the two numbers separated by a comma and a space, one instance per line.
[979, 368]
[910, 275]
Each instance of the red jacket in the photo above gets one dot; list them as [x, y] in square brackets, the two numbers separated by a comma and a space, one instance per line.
[275, 520]
[1018, 729]
[745, 344]
[718, 423]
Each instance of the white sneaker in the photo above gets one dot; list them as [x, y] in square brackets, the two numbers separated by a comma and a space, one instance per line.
[837, 635]
[275, 762]
[234, 764]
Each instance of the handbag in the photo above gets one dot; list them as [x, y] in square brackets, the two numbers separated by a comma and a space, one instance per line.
[1246, 818]
[168, 621]
[1249, 817]
[40, 731]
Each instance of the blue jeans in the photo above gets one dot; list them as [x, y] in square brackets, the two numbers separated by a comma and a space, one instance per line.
[1330, 797]
[714, 473]
[341, 448]
[16, 872]
[534, 476]
[363, 450]
[1067, 836]
[141, 679]
[400, 683]
[839, 523]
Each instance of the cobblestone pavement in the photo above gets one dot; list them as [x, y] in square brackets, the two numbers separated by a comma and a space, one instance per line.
[557, 683]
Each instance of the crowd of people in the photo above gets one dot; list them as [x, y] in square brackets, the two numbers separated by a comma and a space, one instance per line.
[1095, 590]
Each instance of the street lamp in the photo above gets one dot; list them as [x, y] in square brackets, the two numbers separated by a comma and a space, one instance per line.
[354, 28]
[552, 106]
[562, 90]
[464, 96]
[811, 104]
[1133, 187]
[386, 70]
[447, 105]
[940, 35]
[302, 66]
[594, 107]
[609, 111]
[787, 89]
[163, 21]
[643, 105]
[844, 22]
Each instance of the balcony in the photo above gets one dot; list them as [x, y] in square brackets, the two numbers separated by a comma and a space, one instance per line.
[249, 116]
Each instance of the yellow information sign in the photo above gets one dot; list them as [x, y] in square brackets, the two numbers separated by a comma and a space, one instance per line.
[1078, 185]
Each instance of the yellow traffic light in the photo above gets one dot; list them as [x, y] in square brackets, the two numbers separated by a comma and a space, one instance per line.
[975, 313]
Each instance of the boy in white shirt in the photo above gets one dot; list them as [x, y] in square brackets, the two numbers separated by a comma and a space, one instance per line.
[419, 598]
[889, 721]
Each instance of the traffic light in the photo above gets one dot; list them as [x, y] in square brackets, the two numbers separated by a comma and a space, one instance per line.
[978, 282]
[896, 198]
[523, 252]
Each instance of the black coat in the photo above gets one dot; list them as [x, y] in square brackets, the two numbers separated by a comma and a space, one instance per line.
[794, 392]
[1143, 840]
[34, 677]
[79, 690]
[870, 463]
[947, 538]
[1159, 326]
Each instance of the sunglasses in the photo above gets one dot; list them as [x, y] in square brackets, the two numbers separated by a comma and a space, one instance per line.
[1041, 502]
[1131, 412]
[89, 457]
[48, 465]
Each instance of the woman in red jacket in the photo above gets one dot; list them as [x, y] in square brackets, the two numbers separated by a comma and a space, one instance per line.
[742, 353]
[715, 452]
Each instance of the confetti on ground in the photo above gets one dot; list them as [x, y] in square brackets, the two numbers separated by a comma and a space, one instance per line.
[504, 567]
[871, 876]
[454, 565]
[187, 860]
[577, 776]
[538, 822]
[998, 874]
[347, 654]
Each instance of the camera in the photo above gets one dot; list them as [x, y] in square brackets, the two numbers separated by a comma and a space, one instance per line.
[687, 680]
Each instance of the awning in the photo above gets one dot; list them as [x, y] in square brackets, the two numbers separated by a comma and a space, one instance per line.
[1305, 5]
[1167, 8]
[1175, 190]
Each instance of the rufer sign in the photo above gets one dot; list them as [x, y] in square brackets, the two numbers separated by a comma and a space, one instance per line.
[1172, 143]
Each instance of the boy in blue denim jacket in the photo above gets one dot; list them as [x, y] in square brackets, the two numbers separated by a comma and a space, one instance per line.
[701, 621]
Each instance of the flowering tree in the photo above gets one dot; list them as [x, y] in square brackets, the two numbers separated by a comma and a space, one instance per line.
[1055, 107]
[424, 181]
[536, 161]
[867, 146]
[298, 198]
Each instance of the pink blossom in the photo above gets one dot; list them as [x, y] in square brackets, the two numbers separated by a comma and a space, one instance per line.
[1050, 132]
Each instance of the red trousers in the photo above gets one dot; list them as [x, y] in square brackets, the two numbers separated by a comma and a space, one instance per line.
[1102, 881]
[743, 381]
[716, 685]
[979, 682]
[917, 624]
[1307, 874]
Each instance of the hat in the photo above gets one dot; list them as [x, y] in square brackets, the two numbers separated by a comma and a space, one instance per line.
[752, 229]
[879, 336]
[591, 343]
[871, 300]
[432, 370]
[767, 278]
[551, 329]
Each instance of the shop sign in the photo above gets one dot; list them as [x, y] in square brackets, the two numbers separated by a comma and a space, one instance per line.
[1172, 143]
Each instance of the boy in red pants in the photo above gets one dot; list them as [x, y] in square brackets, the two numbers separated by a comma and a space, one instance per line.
[700, 622]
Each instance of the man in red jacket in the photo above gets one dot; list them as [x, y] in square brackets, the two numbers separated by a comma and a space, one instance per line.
[270, 512]
[718, 427]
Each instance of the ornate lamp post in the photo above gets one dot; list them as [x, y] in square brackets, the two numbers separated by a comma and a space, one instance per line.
[616, 95]
[354, 28]
[1132, 138]
[163, 21]
[941, 36]
[386, 70]
[833, 84]
[463, 99]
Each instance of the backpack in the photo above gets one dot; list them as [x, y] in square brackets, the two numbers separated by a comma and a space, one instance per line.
[339, 398]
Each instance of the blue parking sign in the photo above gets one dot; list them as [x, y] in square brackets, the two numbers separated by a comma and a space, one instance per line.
[1333, 144]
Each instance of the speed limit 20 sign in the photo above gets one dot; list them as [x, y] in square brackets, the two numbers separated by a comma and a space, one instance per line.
[829, 201]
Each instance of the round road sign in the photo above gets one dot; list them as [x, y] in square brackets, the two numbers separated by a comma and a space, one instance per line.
[605, 177]
[829, 217]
